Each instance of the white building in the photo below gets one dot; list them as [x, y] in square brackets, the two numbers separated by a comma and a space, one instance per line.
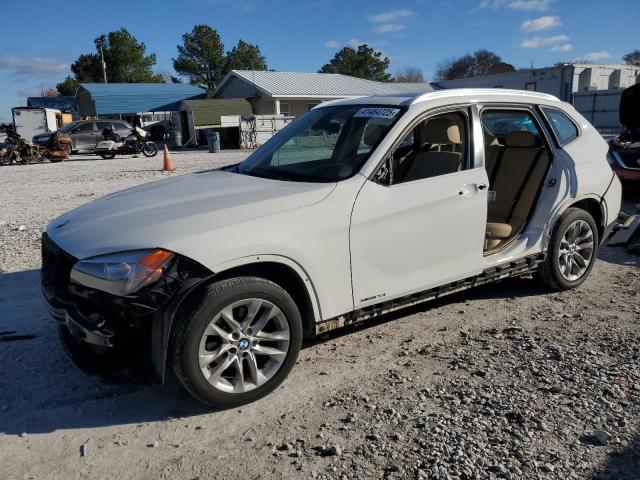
[594, 89]
[294, 93]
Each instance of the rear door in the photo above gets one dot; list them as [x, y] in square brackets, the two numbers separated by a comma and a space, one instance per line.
[422, 225]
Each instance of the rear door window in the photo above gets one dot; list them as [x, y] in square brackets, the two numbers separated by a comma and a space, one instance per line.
[563, 128]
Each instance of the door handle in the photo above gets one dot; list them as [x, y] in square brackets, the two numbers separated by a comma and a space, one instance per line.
[470, 188]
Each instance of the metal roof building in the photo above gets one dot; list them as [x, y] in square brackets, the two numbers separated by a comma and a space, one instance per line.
[95, 99]
[293, 93]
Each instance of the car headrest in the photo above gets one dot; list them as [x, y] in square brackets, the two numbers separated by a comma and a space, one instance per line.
[373, 133]
[439, 131]
[521, 139]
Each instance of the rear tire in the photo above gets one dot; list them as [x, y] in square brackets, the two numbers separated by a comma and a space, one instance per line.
[108, 156]
[237, 342]
[572, 251]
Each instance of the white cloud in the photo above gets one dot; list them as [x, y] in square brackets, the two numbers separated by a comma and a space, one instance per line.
[562, 48]
[542, 23]
[391, 16]
[32, 66]
[354, 42]
[530, 5]
[536, 42]
[389, 27]
[595, 56]
[332, 44]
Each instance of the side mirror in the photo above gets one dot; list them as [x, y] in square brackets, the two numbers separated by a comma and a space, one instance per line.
[384, 174]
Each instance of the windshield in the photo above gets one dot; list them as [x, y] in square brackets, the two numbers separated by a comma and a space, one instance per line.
[68, 127]
[324, 145]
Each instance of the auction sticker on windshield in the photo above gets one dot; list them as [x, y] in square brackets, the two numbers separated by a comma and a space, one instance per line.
[373, 112]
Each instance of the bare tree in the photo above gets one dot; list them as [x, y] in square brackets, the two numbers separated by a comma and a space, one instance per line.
[482, 62]
[410, 75]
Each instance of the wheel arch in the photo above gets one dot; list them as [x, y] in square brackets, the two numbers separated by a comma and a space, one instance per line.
[592, 204]
[283, 271]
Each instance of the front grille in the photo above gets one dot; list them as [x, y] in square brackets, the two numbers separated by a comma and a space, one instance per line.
[56, 268]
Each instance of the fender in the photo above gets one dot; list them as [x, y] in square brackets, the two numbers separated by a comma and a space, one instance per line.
[563, 207]
[199, 275]
[252, 259]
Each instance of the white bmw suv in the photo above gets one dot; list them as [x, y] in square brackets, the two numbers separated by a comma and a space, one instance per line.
[359, 207]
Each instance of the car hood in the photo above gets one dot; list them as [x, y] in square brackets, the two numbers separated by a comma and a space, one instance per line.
[161, 213]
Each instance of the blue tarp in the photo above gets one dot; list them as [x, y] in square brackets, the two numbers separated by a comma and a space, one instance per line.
[64, 104]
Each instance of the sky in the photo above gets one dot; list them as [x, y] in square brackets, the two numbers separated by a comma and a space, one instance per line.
[40, 41]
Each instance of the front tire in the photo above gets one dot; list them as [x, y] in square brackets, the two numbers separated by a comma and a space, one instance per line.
[572, 251]
[108, 156]
[237, 343]
[150, 149]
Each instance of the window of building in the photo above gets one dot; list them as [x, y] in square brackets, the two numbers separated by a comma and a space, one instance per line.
[285, 109]
[310, 106]
[563, 128]
[530, 86]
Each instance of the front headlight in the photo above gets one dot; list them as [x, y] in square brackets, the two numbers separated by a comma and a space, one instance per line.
[122, 273]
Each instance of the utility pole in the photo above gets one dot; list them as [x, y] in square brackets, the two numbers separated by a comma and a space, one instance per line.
[104, 65]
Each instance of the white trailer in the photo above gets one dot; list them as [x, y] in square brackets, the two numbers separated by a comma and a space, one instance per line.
[30, 122]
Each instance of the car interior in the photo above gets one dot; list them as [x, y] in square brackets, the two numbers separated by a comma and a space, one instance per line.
[435, 147]
[516, 159]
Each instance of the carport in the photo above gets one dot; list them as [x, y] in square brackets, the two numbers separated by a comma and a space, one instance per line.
[220, 115]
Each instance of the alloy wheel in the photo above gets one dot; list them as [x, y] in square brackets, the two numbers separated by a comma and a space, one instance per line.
[576, 250]
[244, 345]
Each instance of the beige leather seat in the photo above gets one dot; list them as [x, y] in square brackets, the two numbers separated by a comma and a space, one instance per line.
[440, 151]
[516, 172]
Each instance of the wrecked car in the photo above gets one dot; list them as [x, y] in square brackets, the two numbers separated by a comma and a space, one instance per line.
[625, 148]
[358, 208]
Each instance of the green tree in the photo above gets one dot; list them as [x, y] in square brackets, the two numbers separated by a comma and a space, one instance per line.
[201, 57]
[68, 86]
[245, 56]
[363, 62]
[126, 58]
[87, 68]
[482, 62]
[632, 58]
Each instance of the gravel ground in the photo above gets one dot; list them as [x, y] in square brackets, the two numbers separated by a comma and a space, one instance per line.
[506, 381]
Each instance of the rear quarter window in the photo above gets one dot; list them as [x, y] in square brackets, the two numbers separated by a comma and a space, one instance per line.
[563, 128]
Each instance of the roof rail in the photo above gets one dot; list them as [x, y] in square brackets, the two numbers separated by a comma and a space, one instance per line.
[460, 92]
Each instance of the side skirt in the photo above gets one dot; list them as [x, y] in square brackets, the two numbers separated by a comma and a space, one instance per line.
[514, 268]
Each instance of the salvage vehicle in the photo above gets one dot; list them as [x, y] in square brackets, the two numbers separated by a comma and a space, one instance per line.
[358, 208]
[85, 134]
[134, 143]
[625, 148]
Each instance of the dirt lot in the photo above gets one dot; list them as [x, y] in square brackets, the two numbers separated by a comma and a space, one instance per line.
[507, 381]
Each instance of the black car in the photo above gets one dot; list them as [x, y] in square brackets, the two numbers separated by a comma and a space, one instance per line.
[85, 134]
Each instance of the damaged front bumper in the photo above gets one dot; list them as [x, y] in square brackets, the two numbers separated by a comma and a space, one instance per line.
[140, 322]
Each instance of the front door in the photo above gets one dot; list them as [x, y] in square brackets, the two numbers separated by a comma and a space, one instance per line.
[423, 224]
[84, 136]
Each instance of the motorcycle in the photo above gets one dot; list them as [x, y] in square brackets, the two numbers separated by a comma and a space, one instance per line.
[135, 143]
[19, 150]
[58, 148]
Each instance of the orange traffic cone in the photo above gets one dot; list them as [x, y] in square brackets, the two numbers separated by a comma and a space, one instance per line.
[168, 163]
